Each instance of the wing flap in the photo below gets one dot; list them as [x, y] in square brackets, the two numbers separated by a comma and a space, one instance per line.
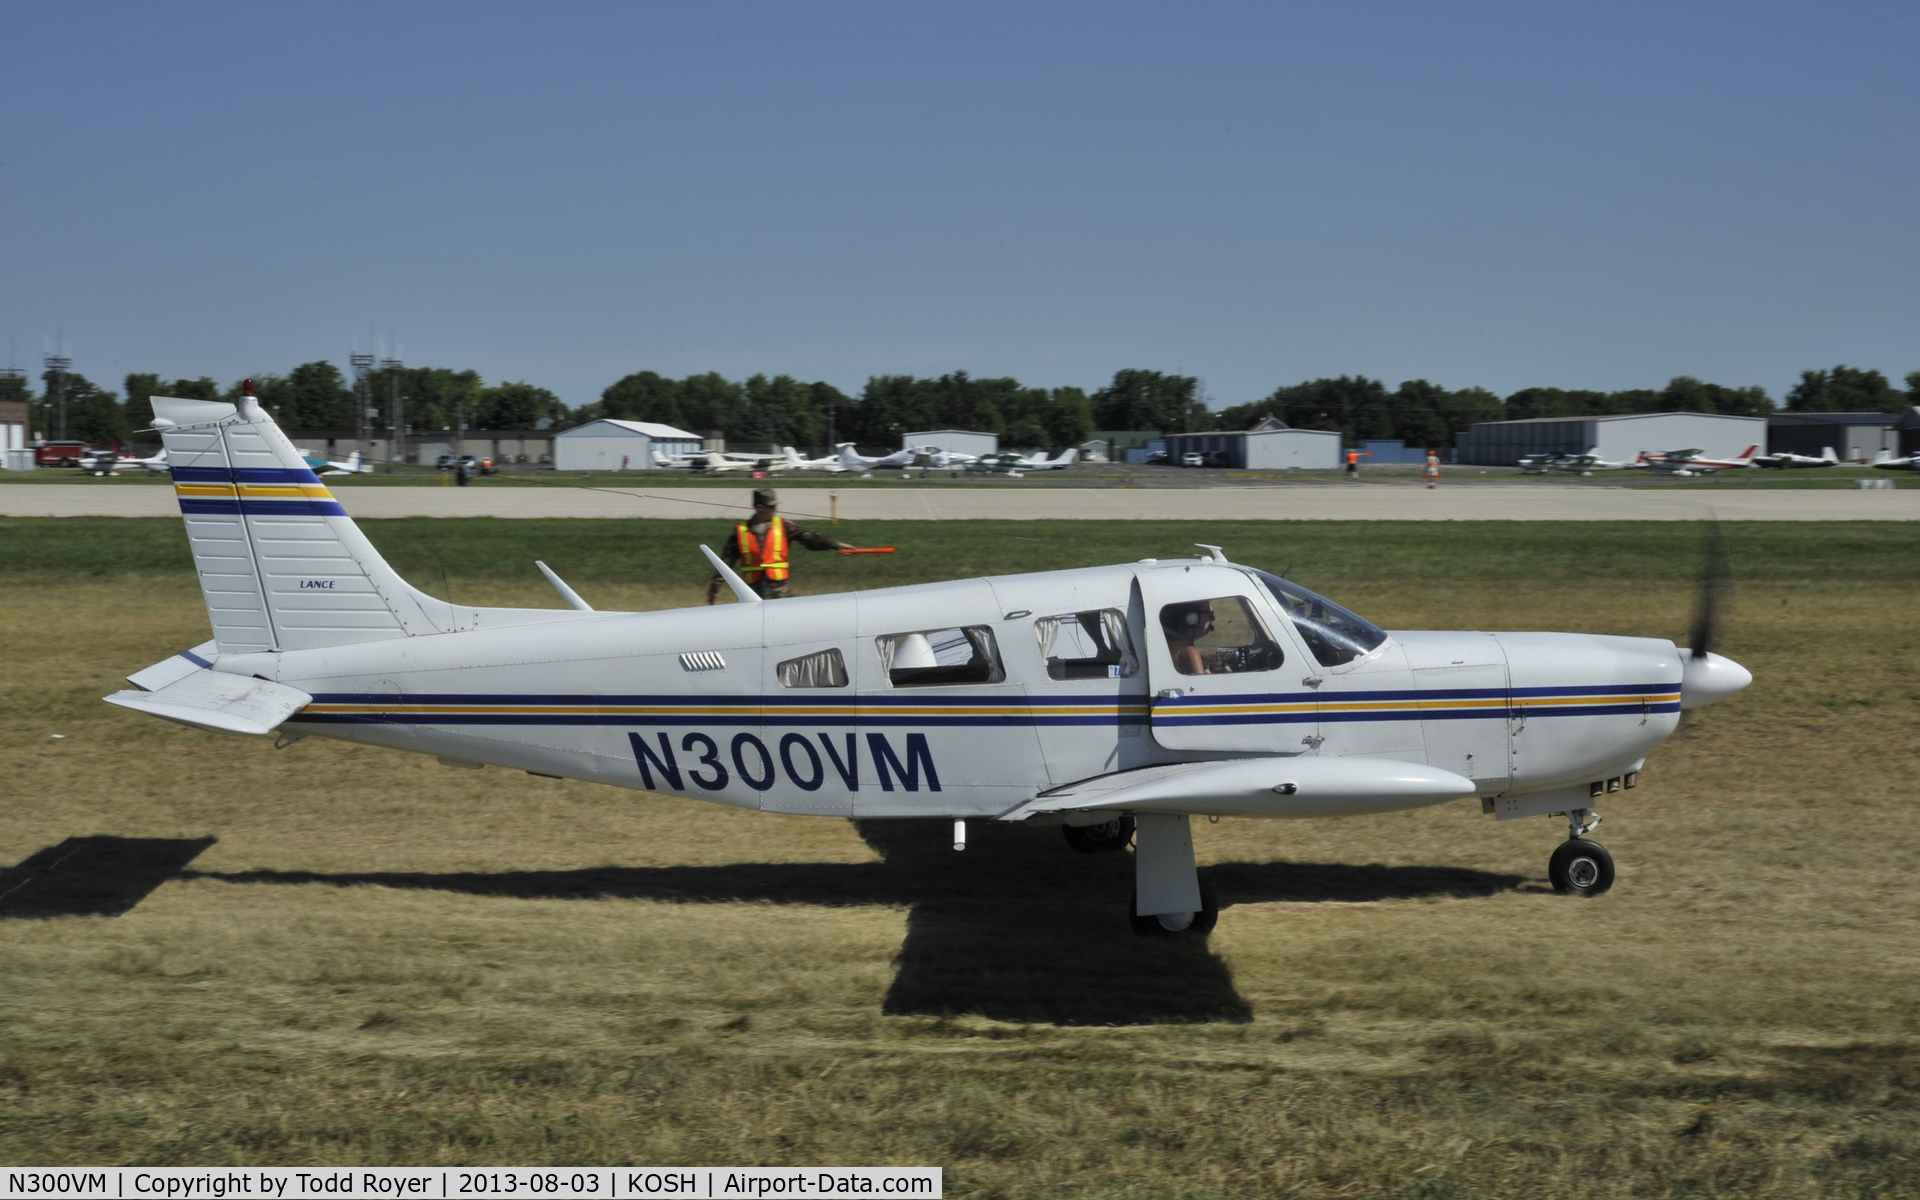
[1291, 786]
[214, 700]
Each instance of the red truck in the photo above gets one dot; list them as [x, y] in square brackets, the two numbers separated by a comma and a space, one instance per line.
[69, 454]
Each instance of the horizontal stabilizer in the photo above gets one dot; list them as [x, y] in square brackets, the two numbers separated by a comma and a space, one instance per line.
[214, 700]
[1296, 786]
[172, 670]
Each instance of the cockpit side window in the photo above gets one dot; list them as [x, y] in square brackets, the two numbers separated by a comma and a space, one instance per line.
[1087, 645]
[1218, 637]
[935, 657]
[1334, 634]
[821, 669]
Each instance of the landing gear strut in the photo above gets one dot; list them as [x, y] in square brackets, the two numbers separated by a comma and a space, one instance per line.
[1187, 924]
[1581, 867]
[1168, 898]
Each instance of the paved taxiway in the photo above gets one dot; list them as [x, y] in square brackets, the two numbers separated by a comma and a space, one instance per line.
[1363, 502]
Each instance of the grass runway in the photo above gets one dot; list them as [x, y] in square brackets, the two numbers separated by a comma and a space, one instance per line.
[215, 953]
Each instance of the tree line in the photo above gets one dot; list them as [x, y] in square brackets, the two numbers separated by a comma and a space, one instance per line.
[783, 410]
[313, 395]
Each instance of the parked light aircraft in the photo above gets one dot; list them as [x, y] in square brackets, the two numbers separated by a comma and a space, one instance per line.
[1887, 460]
[933, 458]
[1006, 462]
[154, 464]
[1115, 702]
[1739, 462]
[1038, 460]
[853, 460]
[1572, 464]
[1674, 462]
[715, 463]
[352, 465]
[792, 461]
[1785, 460]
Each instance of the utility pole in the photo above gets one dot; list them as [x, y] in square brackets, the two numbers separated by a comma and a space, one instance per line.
[396, 405]
[58, 365]
[363, 403]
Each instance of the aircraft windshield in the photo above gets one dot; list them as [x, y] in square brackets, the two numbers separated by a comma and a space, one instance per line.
[1332, 633]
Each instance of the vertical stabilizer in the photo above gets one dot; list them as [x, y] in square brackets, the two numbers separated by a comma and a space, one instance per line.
[281, 564]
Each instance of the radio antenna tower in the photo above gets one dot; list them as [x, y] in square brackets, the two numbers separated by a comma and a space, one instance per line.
[363, 397]
[58, 364]
[396, 403]
[13, 385]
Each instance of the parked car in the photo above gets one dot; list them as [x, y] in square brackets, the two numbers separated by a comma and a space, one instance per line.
[1193, 458]
[1219, 458]
[1157, 458]
[444, 462]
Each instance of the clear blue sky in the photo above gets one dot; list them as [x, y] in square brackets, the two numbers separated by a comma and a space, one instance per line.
[1577, 195]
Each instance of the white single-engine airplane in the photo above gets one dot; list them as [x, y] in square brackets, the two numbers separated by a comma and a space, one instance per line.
[1692, 462]
[350, 466]
[793, 461]
[1572, 464]
[1116, 702]
[853, 460]
[1038, 460]
[1786, 460]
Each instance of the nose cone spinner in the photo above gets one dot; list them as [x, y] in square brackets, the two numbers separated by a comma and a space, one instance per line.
[1709, 678]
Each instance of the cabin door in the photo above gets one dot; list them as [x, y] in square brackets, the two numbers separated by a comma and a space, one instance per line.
[1217, 669]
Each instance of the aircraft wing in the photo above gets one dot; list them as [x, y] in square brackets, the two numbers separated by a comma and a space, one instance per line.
[1292, 786]
[218, 701]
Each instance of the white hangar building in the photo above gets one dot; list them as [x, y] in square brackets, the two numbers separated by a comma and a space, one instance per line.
[953, 441]
[1616, 439]
[614, 445]
[1270, 445]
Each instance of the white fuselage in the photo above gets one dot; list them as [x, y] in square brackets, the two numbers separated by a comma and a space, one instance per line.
[692, 701]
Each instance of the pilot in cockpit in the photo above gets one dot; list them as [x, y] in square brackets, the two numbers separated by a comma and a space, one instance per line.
[1186, 624]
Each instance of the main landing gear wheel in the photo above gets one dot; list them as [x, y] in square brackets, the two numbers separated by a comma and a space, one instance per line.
[1103, 838]
[1580, 868]
[1198, 924]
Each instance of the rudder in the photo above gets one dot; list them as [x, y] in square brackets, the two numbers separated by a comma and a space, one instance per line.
[281, 565]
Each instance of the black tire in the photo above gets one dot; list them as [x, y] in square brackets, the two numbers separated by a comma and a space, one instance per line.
[1104, 838]
[1580, 868]
[1201, 925]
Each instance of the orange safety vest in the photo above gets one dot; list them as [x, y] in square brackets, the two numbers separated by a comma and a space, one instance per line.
[773, 562]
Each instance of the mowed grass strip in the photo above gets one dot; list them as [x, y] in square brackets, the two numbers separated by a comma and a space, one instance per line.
[379, 960]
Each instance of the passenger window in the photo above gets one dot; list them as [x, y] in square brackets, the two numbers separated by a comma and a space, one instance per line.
[824, 669]
[1218, 637]
[1088, 645]
[940, 656]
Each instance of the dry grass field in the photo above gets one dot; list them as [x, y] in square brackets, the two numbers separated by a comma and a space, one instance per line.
[212, 952]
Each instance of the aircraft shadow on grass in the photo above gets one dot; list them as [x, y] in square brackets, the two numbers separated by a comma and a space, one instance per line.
[1018, 928]
[99, 876]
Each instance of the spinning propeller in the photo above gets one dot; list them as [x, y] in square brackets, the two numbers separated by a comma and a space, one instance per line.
[1705, 676]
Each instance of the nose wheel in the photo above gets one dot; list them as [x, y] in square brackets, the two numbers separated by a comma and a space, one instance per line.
[1580, 868]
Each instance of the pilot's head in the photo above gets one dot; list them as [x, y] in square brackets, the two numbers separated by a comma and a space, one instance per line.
[1190, 620]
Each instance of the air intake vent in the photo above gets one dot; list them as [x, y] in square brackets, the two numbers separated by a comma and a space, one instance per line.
[703, 660]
